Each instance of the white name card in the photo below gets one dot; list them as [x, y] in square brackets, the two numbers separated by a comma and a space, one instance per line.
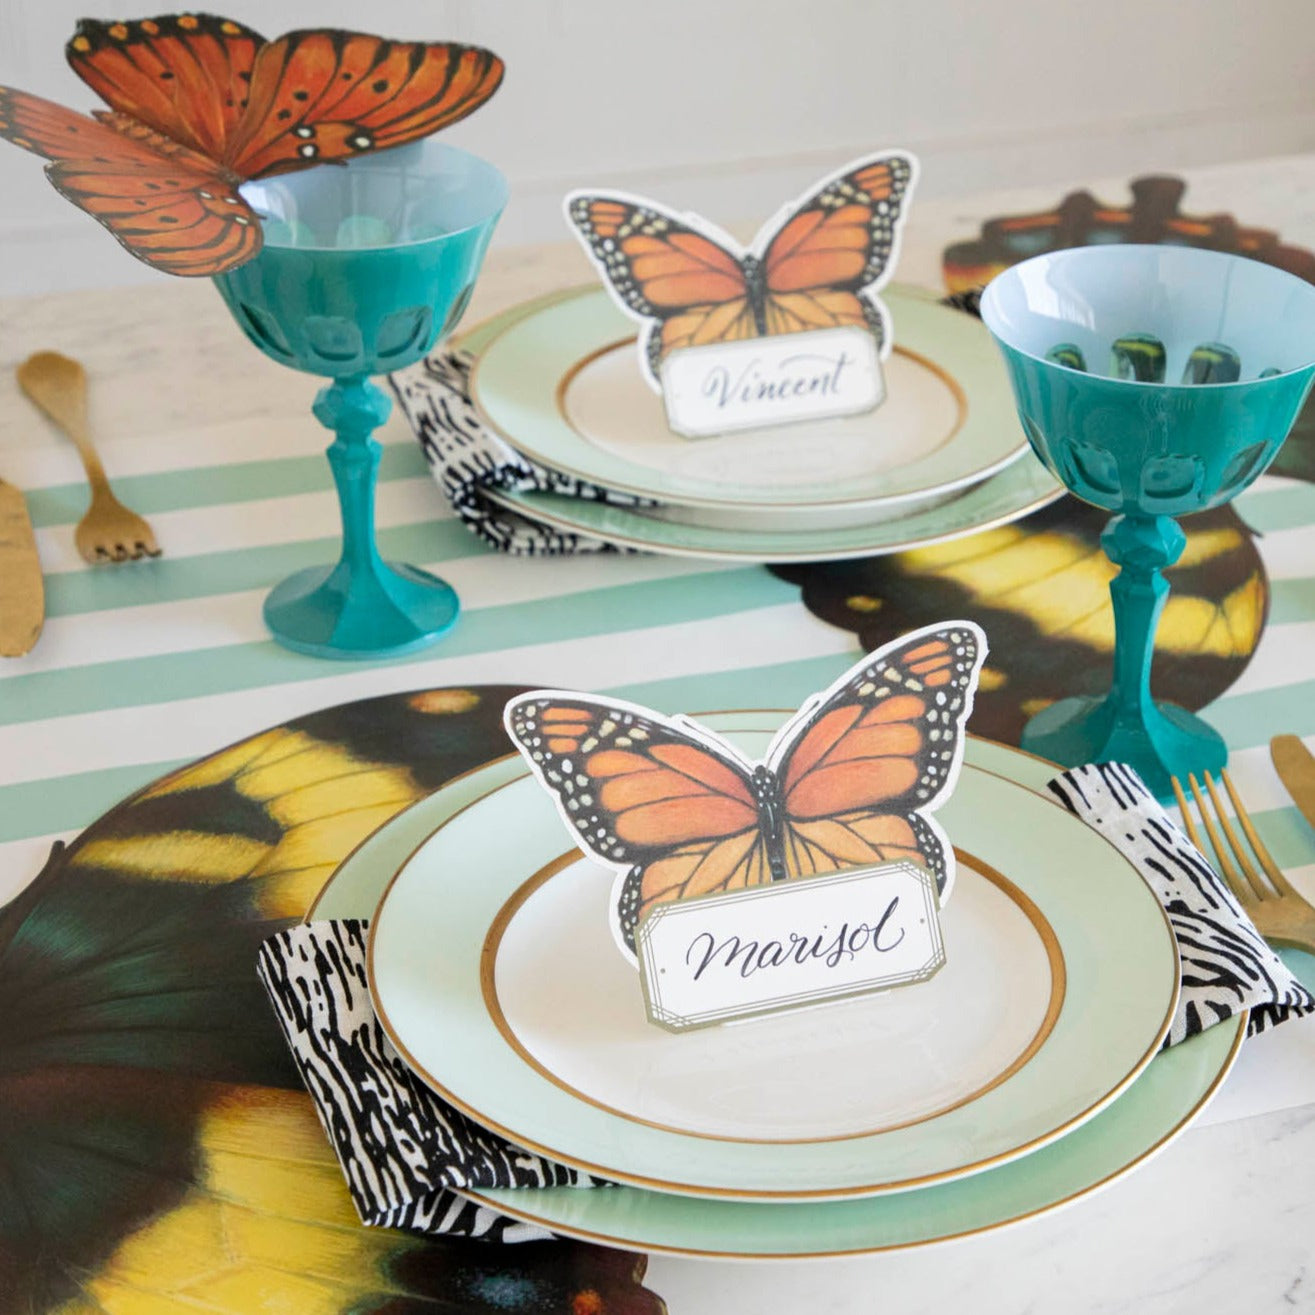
[788, 944]
[771, 381]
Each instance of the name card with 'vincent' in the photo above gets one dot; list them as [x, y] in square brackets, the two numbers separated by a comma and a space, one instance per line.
[771, 381]
[789, 944]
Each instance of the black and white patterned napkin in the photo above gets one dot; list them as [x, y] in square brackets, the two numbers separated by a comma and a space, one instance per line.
[1226, 965]
[406, 1153]
[403, 1150]
[467, 461]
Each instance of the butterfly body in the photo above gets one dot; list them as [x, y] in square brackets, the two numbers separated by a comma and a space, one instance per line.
[201, 104]
[817, 265]
[848, 782]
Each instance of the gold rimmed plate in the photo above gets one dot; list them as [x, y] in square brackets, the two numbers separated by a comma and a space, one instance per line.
[492, 970]
[561, 383]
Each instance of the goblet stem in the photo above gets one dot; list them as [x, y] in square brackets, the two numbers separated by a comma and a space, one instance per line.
[1141, 546]
[361, 606]
[354, 409]
[1158, 739]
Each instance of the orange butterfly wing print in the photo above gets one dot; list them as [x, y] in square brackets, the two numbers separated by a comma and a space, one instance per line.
[822, 267]
[261, 108]
[186, 76]
[168, 205]
[690, 287]
[846, 783]
[860, 771]
[200, 104]
[329, 95]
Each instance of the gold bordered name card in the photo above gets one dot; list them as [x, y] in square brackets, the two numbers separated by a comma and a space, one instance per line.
[851, 781]
[789, 945]
[789, 329]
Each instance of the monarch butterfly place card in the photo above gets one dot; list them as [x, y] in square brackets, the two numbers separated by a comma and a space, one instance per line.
[790, 329]
[745, 888]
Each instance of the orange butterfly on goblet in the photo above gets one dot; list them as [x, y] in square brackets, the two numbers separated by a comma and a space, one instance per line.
[849, 781]
[199, 105]
[817, 265]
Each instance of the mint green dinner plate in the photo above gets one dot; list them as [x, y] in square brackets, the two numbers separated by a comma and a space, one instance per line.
[507, 995]
[1159, 1104]
[1022, 486]
[562, 383]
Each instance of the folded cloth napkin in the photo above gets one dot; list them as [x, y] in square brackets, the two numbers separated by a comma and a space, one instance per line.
[467, 461]
[406, 1153]
[1226, 965]
[402, 1149]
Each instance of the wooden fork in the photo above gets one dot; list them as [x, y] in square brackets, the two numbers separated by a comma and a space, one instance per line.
[1281, 915]
[109, 532]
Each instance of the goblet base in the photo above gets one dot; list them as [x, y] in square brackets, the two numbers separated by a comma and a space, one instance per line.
[327, 612]
[1162, 742]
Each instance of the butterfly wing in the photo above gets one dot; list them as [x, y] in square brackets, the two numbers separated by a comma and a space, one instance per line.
[186, 76]
[317, 96]
[168, 205]
[687, 287]
[823, 265]
[668, 805]
[860, 768]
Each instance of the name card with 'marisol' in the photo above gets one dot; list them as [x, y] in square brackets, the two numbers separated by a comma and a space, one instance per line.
[771, 381]
[789, 944]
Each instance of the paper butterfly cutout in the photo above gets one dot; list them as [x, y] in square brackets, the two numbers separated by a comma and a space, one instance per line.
[200, 104]
[817, 265]
[849, 781]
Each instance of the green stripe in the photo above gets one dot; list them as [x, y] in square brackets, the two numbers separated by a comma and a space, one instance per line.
[1280, 509]
[171, 579]
[208, 486]
[38, 808]
[1246, 721]
[168, 677]
[1291, 600]
[785, 685]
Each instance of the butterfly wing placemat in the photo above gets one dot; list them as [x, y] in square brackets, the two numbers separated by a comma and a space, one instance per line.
[157, 1139]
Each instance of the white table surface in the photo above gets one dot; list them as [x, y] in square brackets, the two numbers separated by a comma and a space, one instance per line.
[1222, 1221]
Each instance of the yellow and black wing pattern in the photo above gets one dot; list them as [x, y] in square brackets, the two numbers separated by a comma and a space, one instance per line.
[1040, 590]
[157, 1150]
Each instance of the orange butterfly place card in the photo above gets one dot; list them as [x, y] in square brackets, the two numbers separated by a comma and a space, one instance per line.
[744, 887]
[199, 105]
[790, 329]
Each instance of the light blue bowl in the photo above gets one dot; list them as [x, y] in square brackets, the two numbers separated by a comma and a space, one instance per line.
[1149, 446]
[365, 266]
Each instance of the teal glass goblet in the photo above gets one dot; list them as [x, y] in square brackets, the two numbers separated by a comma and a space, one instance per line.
[1154, 381]
[365, 266]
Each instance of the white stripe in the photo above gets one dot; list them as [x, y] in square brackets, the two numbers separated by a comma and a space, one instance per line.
[121, 737]
[1281, 658]
[1289, 554]
[486, 580]
[223, 527]
[227, 444]
[21, 860]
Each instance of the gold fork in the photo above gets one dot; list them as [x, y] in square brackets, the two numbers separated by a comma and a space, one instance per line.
[1279, 912]
[109, 532]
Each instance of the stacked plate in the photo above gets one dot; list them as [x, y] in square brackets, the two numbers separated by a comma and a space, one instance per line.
[1023, 1076]
[943, 456]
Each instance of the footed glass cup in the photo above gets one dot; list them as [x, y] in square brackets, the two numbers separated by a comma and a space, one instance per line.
[365, 266]
[1154, 381]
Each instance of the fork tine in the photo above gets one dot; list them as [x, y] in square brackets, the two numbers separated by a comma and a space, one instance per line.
[1188, 825]
[1272, 869]
[1222, 861]
[1239, 849]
